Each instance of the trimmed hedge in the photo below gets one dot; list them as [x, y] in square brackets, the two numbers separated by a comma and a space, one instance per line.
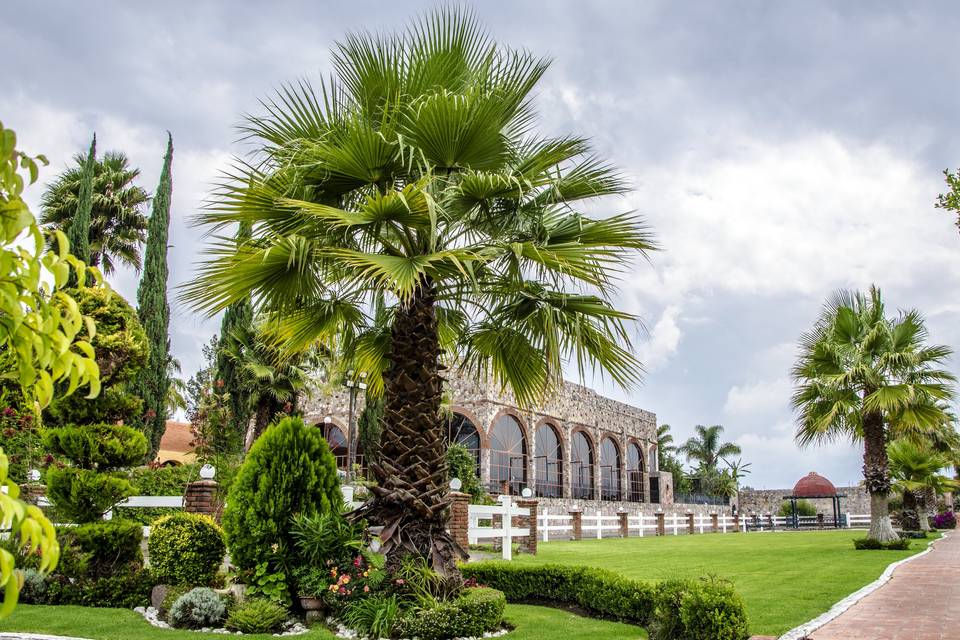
[104, 547]
[872, 544]
[186, 548]
[477, 611]
[599, 591]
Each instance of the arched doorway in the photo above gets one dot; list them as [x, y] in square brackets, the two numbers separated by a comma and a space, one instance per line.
[610, 465]
[338, 444]
[548, 457]
[634, 473]
[462, 431]
[581, 466]
[508, 455]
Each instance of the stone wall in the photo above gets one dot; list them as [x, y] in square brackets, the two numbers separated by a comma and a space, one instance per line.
[856, 500]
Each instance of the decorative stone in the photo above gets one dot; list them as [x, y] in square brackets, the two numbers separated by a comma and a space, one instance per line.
[157, 596]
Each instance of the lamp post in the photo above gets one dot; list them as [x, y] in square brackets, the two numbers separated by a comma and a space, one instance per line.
[354, 387]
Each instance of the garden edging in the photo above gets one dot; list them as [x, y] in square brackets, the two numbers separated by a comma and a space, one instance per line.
[800, 632]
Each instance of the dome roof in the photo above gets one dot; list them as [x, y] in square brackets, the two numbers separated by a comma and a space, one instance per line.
[814, 484]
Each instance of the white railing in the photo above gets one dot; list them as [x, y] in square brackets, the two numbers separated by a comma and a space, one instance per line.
[505, 532]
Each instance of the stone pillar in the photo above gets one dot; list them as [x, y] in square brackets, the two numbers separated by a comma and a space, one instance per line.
[201, 497]
[528, 544]
[31, 492]
[770, 521]
[460, 518]
[661, 524]
[646, 487]
[736, 523]
[714, 522]
[577, 524]
[624, 524]
[496, 522]
[690, 523]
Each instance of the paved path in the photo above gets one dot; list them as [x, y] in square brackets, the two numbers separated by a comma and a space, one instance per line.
[921, 601]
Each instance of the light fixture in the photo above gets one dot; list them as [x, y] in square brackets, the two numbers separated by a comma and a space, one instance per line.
[33, 475]
[327, 420]
[527, 492]
[208, 471]
[455, 484]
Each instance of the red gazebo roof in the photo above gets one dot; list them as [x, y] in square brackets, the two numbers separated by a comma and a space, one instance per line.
[814, 484]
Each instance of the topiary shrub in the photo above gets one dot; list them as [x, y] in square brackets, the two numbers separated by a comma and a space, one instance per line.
[198, 608]
[257, 616]
[186, 548]
[81, 495]
[475, 612]
[106, 547]
[289, 470]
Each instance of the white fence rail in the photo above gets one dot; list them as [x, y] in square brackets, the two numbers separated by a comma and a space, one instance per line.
[499, 527]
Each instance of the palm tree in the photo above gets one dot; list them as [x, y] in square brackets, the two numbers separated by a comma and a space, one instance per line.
[706, 449]
[118, 225]
[664, 440]
[915, 469]
[869, 378]
[415, 177]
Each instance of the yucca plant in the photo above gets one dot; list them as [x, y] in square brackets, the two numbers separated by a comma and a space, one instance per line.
[412, 187]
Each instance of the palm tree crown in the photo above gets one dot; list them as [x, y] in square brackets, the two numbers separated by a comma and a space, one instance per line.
[118, 225]
[414, 181]
[706, 448]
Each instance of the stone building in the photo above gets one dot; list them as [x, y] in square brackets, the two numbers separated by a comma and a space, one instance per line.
[577, 448]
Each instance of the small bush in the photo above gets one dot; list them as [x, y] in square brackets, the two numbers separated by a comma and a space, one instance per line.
[198, 608]
[173, 594]
[665, 621]
[288, 470]
[34, 589]
[914, 535]
[257, 616]
[107, 546]
[326, 537]
[804, 508]
[712, 610]
[472, 614]
[81, 495]
[872, 544]
[186, 548]
[945, 520]
[127, 589]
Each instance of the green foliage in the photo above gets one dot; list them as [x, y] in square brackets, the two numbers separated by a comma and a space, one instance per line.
[462, 464]
[707, 449]
[166, 480]
[18, 427]
[153, 381]
[323, 539]
[34, 589]
[951, 199]
[804, 508]
[289, 470]
[475, 612]
[374, 616]
[198, 608]
[370, 428]
[268, 584]
[78, 233]
[186, 548]
[125, 590]
[598, 591]
[102, 447]
[705, 609]
[82, 495]
[257, 616]
[173, 594]
[681, 481]
[872, 544]
[106, 547]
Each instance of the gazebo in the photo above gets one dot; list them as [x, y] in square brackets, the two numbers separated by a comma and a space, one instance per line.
[813, 486]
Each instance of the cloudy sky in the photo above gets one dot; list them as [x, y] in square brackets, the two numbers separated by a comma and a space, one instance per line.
[779, 150]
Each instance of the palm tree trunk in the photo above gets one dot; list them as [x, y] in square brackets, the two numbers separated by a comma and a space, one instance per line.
[410, 499]
[876, 474]
[265, 411]
[923, 509]
[910, 514]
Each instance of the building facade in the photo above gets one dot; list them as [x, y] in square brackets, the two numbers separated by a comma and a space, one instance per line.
[578, 447]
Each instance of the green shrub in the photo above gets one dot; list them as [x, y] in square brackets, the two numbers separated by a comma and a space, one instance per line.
[665, 622]
[257, 616]
[167, 480]
[901, 544]
[804, 508]
[463, 465]
[34, 589]
[712, 610]
[914, 535]
[198, 608]
[127, 589]
[81, 495]
[475, 612]
[264, 583]
[173, 594]
[186, 548]
[97, 446]
[288, 470]
[320, 538]
[596, 590]
[374, 617]
[107, 546]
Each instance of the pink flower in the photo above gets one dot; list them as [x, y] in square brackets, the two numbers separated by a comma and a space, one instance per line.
[366, 589]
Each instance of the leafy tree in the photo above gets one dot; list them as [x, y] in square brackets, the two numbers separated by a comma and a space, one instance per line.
[664, 440]
[463, 466]
[202, 382]
[153, 383]
[915, 469]
[681, 479]
[870, 378]
[706, 448]
[951, 199]
[78, 233]
[117, 226]
[370, 428]
[415, 177]
[41, 334]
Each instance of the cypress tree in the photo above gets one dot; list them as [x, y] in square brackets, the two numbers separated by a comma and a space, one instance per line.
[153, 382]
[78, 233]
[237, 318]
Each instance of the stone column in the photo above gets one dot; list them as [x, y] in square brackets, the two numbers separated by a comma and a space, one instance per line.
[460, 518]
[624, 523]
[736, 523]
[577, 523]
[714, 522]
[661, 524]
[201, 497]
[690, 528]
[646, 486]
[496, 522]
[528, 544]
[31, 493]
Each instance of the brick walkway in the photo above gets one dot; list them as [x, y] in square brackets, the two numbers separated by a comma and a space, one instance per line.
[921, 601]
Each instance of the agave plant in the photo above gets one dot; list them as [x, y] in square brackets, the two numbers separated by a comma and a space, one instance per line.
[413, 186]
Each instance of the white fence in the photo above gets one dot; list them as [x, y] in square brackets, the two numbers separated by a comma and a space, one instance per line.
[504, 531]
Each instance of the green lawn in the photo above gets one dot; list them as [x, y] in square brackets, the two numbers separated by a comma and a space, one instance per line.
[786, 578]
[532, 623]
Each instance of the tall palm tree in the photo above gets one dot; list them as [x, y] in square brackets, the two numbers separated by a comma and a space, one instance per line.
[870, 378]
[415, 177]
[706, 448]
[915, 469]
[118, 224]
[664, 440]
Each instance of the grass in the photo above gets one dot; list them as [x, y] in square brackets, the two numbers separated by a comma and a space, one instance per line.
[785, 578]
[532, 623]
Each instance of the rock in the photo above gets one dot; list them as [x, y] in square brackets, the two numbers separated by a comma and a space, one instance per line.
[158, 595]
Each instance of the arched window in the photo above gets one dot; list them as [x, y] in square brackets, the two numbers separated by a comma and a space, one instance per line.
[634, 473]
[508, 455]
[460, 430]
[581, 466]
[610, 465]
[548, 456]
[338, 444]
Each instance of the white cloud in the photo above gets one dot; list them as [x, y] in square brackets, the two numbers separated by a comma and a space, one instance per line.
[758, 397]
[663, 340]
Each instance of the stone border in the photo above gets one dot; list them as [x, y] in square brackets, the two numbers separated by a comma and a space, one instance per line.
[801, 632]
